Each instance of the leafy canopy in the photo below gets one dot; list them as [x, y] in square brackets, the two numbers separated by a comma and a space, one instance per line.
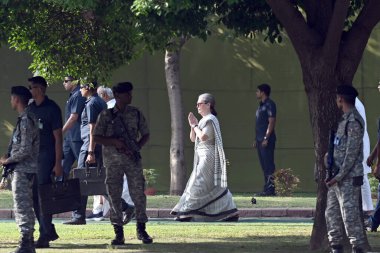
[71, 41]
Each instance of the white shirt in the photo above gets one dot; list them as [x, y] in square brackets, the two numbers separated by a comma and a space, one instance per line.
[366, 146]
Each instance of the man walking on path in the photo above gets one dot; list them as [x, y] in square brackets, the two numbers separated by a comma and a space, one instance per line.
[123, 131]
[49, 119]
[90, 152]
[265, 137]
[72, 141]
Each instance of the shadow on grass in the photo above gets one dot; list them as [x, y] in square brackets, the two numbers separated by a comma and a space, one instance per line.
[286, 244]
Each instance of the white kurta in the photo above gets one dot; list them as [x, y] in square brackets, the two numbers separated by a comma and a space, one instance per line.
[366, 189]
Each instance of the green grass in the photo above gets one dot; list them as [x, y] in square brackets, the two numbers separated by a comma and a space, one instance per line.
[260, 236]
[241, 200]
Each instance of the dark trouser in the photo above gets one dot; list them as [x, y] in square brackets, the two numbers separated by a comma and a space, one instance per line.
[266, 157]
[71, 150]
[376, 214]
[46, 160]
[80, 214]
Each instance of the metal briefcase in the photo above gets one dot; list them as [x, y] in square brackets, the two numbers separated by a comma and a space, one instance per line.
[59, 197]
[92, 180]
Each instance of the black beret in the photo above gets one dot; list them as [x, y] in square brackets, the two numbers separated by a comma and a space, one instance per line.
[122, 87]
[21, 91]
[347, 90]
[38, 80]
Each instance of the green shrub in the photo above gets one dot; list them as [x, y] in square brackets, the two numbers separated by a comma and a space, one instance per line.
[373, 183]
[286, 182]
[150, 176]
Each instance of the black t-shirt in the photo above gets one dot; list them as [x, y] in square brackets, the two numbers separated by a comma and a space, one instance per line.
[49, 118]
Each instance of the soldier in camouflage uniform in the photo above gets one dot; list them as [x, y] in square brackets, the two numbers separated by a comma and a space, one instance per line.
[123, 131]
[23, 155]
[343, 197]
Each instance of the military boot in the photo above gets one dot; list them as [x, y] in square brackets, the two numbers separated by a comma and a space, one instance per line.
[142, 234]
[337, 249]
[26, 245]
[119, 235]
[119, 238]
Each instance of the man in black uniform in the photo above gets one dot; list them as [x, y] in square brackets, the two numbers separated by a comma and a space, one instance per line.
[265, 137]
[49, 119]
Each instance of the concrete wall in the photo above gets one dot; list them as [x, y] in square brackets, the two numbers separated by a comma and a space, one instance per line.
[231, 71]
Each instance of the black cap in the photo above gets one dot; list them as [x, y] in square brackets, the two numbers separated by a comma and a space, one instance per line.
[21, 91]
[124, 87]
[347, 90]
[38, 80]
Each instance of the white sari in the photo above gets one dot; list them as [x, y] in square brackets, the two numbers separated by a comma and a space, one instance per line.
[206, 197]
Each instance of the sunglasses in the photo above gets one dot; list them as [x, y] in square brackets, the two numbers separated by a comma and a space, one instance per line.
[66, 81]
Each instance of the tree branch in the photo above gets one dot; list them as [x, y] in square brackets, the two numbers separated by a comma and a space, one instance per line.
[357, 38]
[295, 25]
[331, 45]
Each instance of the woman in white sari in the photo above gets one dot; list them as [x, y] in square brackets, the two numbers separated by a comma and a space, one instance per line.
[206, 197]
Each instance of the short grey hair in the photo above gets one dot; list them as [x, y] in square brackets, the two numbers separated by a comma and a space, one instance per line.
[209, 98]
[106, 90]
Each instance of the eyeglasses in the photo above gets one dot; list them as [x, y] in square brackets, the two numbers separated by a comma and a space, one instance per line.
[82, 87]
[199, 104]
[66, 81]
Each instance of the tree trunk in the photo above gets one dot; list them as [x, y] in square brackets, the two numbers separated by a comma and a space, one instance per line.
[321, 86]
[323, 117]
[177, 144]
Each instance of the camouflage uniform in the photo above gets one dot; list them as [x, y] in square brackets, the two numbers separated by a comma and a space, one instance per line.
[343, 198]
[25, 147]
[117, 164]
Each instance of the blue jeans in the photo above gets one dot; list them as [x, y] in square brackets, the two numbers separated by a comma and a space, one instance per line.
[71, 150]
[375, 218]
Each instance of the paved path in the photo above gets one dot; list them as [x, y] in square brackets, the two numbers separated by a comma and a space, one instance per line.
[244, 213]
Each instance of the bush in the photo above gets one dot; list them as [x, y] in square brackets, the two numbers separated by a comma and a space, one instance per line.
[150, 176]
[373, 183]
[286, 182]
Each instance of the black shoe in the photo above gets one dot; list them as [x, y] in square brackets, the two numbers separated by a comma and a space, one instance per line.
[266, 194]
[357, 250]
[337, 249]
[142, 234]
[119, 235]
[128, 214]
[42, 243]
[75, 222]
[53, 236]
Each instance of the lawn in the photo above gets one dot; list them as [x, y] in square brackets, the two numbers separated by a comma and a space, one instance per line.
[241, 200]
[258, 235]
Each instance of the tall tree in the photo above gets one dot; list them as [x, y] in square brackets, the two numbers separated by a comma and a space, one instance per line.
[329, 38]
[168, 25]
[78, 41]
